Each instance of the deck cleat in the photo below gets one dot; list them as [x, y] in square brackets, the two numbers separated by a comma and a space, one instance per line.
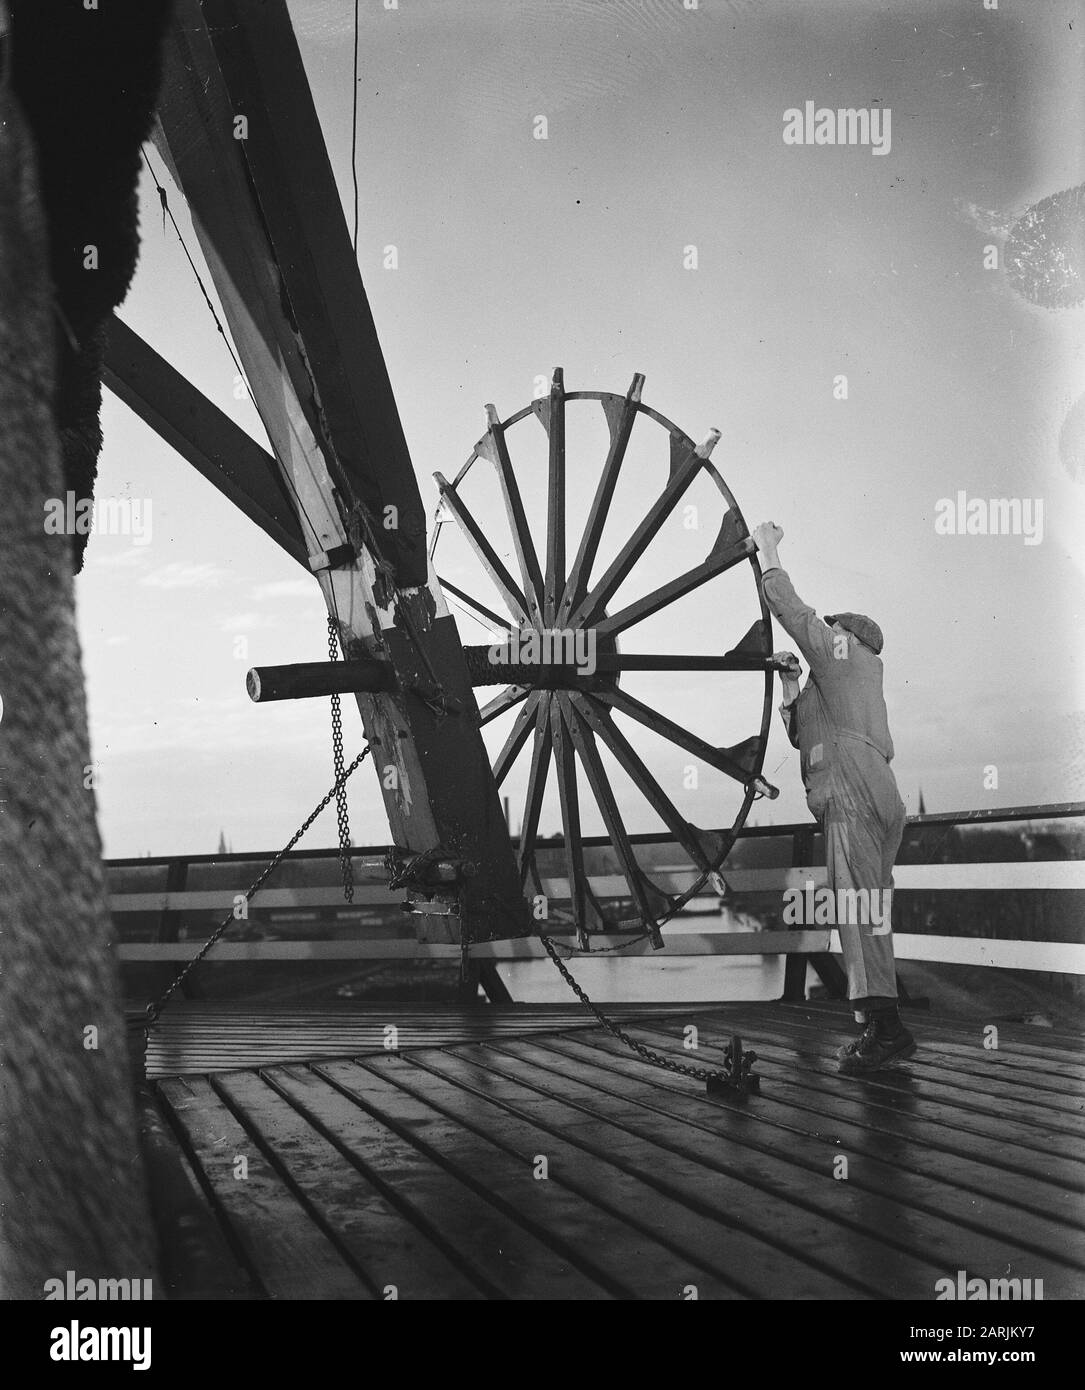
[736, 1081]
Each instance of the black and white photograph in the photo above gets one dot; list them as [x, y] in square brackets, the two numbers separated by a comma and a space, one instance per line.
[542, 693]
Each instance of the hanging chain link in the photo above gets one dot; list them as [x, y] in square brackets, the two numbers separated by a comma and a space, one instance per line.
[655, 1059]
[153, 1010]
[342, 813]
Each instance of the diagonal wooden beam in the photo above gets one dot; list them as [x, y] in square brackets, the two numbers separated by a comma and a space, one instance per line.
[335, 361]
[203, 435]
[240, 133]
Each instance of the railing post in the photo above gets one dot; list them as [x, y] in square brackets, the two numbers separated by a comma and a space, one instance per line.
[802, 853]
[169, 923]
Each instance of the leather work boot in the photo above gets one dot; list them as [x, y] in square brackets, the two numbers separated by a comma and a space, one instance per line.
[884, 1040]
[849, 1047]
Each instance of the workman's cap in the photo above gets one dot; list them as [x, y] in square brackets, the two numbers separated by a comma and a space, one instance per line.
[866, 629]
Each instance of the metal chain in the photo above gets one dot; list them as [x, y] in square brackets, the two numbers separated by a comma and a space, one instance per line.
[346, 868]
[603, 950]
[646, 1054]
[153, 1010]
[402, 875]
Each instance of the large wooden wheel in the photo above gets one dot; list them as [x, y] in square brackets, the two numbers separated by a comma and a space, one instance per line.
[568, 717]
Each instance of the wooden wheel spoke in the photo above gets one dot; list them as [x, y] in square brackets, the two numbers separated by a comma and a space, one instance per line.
[718, 758]
[491, 562]
[719, 562]
[565, 764]
[536, 786]
[628, 758]
[682, 475]
[508, 671]
[620, 414]
[584, 741]
[495, 448]
[689, 661]
[557, 710]
[516, 739]
[554, 420]
[487, 613]
[510, 696]
[593, 900]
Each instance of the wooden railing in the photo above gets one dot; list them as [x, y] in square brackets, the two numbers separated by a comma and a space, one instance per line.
[170, 903]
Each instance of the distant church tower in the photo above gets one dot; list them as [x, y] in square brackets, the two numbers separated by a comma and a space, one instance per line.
[922, 803]
[222, 844]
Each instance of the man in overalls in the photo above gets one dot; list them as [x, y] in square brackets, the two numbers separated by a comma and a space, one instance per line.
[838, 723]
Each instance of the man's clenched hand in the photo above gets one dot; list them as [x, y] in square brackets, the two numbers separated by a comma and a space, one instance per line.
[787, 663]
[768, 536]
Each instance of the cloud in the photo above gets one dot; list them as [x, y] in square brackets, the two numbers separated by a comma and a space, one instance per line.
[243, 622]
[128, 558]
[287, 588]
[182, 576]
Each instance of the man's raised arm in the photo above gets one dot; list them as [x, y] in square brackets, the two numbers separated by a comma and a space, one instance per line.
[798, 619]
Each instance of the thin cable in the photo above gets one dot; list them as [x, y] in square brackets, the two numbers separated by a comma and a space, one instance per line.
[155, 1008]
[354, 131]
[167, 211]
[494, 639]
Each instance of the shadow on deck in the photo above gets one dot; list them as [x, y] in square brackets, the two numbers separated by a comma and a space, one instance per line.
[520, 1154]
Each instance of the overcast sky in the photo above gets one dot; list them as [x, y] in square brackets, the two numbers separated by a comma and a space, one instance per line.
[665, 131]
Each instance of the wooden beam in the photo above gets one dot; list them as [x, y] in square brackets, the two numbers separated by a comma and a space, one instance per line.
[1031, 876]
[266, 210]
[762, 943]
[331, 354]
[1054, 957]
[305, 679]
[202, 434]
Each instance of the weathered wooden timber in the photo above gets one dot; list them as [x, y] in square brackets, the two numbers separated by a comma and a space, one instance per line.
[418, 1168]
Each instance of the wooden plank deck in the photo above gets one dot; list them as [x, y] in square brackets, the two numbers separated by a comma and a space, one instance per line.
[490, 1161]
[193, 1038]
